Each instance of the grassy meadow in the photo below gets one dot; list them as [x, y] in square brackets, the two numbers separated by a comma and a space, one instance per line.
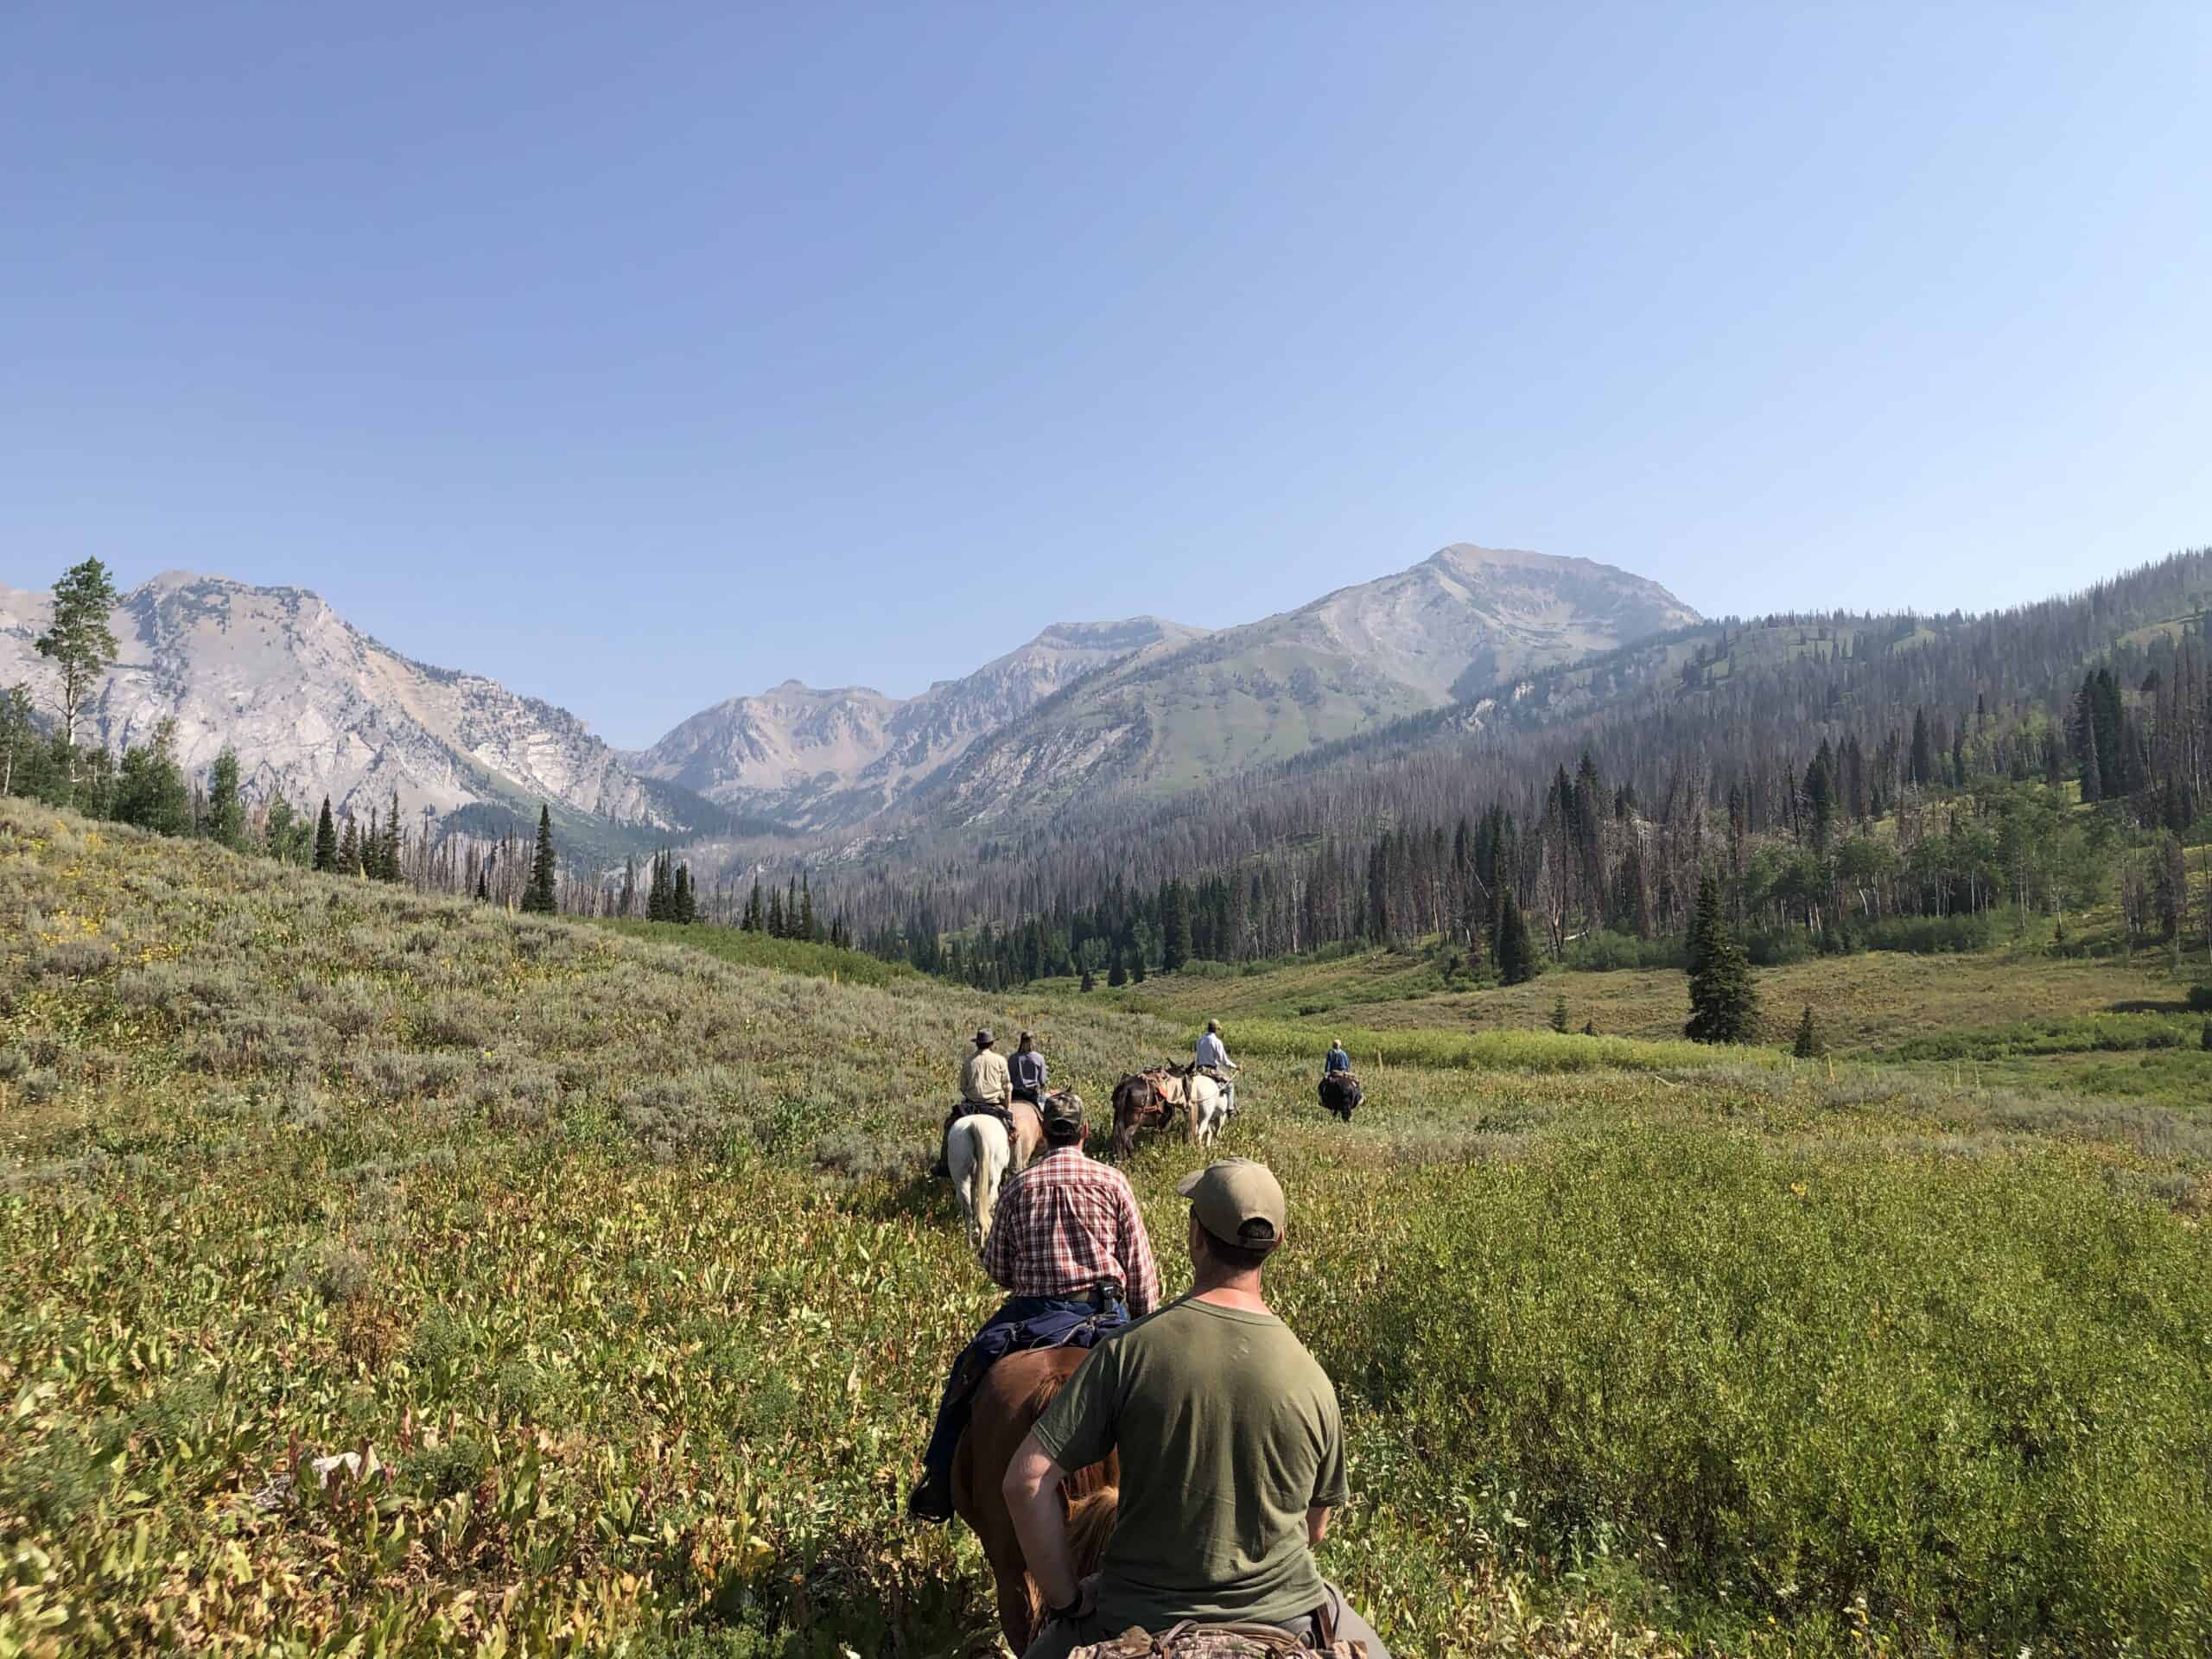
[2023, 1015]
[613, 1261]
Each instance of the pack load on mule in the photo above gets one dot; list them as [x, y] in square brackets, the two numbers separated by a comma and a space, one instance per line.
[1150, 1099]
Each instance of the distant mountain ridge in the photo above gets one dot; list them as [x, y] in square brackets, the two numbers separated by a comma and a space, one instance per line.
[312, 706]
[1460, 621]
[315, 707]
[829, 758]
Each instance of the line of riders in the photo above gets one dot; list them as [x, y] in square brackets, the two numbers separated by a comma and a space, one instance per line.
[1145, 1479]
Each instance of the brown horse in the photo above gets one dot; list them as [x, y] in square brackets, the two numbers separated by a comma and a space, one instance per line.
[1013, 1396]
[1028, 1136]
[1147, 1100]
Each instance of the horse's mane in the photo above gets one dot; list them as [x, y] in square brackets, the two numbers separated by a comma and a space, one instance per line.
[1093, 1502]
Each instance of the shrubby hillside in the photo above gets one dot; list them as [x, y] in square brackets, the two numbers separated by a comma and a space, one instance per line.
[613, 1265]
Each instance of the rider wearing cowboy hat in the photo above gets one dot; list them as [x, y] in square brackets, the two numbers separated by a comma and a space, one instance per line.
[985, 1086]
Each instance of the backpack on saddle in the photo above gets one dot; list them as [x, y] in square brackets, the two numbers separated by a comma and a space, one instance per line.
[1190, 1641]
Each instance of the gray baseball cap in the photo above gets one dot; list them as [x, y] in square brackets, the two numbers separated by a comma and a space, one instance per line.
[1239, 1202]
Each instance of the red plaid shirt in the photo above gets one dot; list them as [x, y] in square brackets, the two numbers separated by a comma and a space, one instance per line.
[1066, 1223]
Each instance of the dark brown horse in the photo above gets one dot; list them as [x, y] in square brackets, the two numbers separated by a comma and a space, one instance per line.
[1147, 1100]
[1341, 1094]
[1013, 1396]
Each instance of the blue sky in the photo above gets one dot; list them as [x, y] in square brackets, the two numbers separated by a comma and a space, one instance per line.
[640, 356]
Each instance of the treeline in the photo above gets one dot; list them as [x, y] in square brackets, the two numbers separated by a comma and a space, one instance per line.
[1875, 826]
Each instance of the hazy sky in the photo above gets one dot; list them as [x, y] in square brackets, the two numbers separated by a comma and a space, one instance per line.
[642, 355]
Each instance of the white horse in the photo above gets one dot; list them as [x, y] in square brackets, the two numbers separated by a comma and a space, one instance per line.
[1211, 1106]
[977, 1152]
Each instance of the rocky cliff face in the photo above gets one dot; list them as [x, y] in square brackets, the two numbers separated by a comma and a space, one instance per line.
[315, 707]
[833, 758]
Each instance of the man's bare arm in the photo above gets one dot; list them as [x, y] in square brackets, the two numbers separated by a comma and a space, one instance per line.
[1032, 1489]
[1317, 1525]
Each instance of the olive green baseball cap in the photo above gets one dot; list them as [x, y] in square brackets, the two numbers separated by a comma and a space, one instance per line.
[1239, 1202]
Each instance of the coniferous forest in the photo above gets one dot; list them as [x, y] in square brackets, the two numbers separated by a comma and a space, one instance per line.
[1851, 782]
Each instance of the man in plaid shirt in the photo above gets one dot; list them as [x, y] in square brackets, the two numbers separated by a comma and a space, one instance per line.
[1068, 1243]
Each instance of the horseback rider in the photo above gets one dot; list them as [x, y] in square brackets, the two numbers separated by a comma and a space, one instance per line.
[1068, 1244]
[1213, 1059]
[1028, 1071]
[984, 1087]
[1338, 1060]
[1232, 1452]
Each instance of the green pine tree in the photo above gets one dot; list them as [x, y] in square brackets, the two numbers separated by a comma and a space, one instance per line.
[1513, 949]
[680, 897]
[276, 827]
[388, 861]
[1808, 1046]
[149, 792]
[1091, 983]
[325, 839]
[1723, 1004]
[1118, 974]
[753, 921]
[349, 849]
[79, 641]
[542, 896]
[225, 820]
[806, 928]
[1559, 1015]
[1175, 943]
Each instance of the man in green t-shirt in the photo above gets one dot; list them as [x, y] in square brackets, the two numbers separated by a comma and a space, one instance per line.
[1232, 1454]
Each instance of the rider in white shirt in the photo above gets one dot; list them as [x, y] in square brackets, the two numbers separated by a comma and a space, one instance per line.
[1214, 1053]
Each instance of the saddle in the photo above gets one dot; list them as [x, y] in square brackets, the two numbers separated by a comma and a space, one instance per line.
[982, 1108]
[1158, 1105]
[1192, 1641]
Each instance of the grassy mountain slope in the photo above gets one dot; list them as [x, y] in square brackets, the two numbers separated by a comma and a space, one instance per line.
[1358, 658]
[613, 1263]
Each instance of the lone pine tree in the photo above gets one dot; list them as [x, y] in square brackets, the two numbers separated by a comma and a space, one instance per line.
[541, 897]
[1724, 1004]
[325, 839]
[80, 643]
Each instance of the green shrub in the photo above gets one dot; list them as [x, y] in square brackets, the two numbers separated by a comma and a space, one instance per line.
[1939, 1385]
[1605, 951]
[1927, 936]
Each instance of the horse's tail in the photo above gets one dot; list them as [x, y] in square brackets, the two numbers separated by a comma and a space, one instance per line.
[989, 1171]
